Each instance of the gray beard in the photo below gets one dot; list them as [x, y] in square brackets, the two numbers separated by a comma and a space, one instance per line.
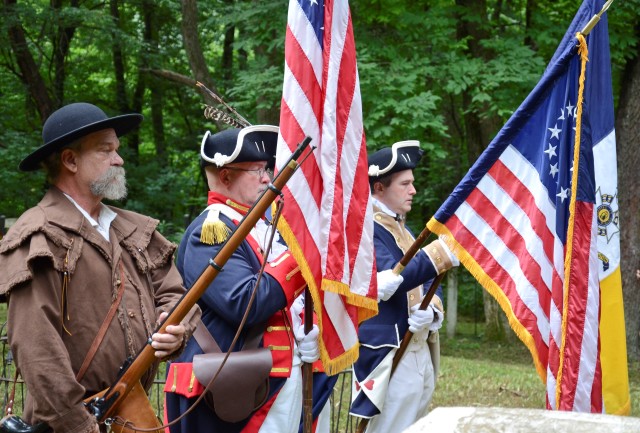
[112, 185]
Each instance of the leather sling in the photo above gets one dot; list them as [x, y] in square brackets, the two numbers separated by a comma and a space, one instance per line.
[103, 328]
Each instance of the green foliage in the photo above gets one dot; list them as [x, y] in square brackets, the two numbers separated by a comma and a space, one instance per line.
[470, 303]
[420, 78]
[19, 191]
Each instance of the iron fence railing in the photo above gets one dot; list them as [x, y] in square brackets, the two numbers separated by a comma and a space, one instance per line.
[341, 421]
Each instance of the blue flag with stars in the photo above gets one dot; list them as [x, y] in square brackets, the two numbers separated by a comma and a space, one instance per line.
[524, 220]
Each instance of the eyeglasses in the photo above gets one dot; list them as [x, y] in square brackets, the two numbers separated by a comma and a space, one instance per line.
[259, 171]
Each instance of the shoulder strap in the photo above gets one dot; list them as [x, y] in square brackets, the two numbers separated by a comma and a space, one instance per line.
[103, 328]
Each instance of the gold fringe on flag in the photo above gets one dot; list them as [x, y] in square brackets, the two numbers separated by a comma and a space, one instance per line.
[369, 307]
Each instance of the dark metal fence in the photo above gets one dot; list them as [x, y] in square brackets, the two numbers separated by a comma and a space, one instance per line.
[341, 421]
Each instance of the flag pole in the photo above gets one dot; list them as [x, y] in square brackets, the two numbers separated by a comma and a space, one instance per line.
[397, 269]
[594, 20]
[307, 368]
[412, 251]
[406, 340]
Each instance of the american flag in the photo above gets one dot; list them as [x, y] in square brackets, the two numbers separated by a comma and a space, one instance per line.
[327, 216]
[523, 220]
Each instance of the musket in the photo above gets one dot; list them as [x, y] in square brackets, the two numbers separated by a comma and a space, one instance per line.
[412, 251]
[105, 405]
[397, 269]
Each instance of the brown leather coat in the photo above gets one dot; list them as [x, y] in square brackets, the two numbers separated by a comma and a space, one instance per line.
[51, 327]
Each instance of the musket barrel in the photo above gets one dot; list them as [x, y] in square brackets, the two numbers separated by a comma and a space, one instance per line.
[108, 404]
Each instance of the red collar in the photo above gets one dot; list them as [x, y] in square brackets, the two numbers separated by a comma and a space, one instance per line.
[216, 197]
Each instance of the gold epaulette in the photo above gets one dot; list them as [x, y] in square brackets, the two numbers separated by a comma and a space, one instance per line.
[214, 230]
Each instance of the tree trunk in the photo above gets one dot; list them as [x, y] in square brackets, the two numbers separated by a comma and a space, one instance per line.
[227, 55]
[61, 45]
[226, 63]
[267, 115]
[628, 136]
[122, 101]
[132, 139]
[528, 24]
[478, 131]
[452, 302]
[194, 51]
[29, 71]
[156, 86]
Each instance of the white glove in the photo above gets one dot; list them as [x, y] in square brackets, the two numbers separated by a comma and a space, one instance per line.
[308, 344]
[438, 318]
[420, 319]
[388, 283]
[296, 311]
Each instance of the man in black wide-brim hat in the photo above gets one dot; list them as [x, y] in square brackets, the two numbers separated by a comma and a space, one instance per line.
[73, 267]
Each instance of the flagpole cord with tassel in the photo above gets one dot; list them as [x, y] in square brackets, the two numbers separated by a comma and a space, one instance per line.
[583, 52]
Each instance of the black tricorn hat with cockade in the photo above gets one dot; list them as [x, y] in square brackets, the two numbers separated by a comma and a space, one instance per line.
[403, 155]
[74, 121]
[252, 143]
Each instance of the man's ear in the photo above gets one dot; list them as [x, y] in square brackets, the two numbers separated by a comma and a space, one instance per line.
[225, 176]
[378, 187]
[69, 160]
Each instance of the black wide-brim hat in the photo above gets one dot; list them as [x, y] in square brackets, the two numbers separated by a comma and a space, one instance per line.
[74, 121]
[252, 143]
[404, 155]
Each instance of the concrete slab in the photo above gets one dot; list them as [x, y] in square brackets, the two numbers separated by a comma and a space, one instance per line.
[503, 420]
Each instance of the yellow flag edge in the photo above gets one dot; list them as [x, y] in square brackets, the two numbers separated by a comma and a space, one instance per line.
[583, 52]
[613, 351]
[494, 290]
[368, 307]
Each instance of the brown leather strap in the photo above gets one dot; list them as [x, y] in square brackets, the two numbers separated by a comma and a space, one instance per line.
[204, 339]
[103, 328]
[12, 394]
[208, 344]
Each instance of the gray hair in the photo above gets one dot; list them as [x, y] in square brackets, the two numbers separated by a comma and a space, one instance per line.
[52, 164]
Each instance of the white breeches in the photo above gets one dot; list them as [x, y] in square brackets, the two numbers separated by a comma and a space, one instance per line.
[284, 415]
[410, 390]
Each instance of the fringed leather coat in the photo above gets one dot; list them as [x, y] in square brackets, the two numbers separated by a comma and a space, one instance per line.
[60, 277]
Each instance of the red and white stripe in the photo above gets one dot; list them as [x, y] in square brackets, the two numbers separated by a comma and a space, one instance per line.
[506, 228]
[327, 204]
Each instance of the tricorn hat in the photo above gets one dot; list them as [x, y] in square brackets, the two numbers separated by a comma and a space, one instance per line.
[72, 122]
[403, 155]
[252, 143]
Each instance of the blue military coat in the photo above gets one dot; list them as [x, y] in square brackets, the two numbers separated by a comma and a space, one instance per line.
[223, 306]
[383, 332]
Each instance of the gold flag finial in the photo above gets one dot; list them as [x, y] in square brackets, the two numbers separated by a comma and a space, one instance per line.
[594, 20]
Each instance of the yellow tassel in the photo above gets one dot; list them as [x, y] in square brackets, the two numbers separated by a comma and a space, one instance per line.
[214, 230]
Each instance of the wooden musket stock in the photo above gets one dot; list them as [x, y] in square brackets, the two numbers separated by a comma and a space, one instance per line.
[412, 251]
[105, 406]
[398, 268]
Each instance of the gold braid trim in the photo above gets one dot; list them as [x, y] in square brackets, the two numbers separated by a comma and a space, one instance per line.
[438, 256]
